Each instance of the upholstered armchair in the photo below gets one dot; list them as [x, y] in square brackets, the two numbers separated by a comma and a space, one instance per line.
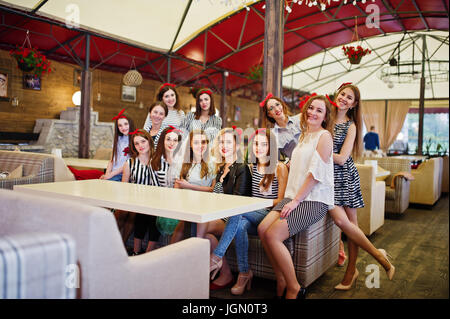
[371, 217]
[397, 197]
[427, 183]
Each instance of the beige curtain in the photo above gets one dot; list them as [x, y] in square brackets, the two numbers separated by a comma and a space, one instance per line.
[373, 113]
[396, 114]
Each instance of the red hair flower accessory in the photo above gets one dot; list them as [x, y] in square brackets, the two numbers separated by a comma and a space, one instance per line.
[268, 96]
[344, 84]
[166, 84]
[119, 116]
[332, 103]
[305, 99]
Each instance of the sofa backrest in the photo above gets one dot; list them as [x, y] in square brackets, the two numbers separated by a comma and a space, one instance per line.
[94, 229]
[33, 164]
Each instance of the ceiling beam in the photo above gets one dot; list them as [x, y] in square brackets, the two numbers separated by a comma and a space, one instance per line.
[421, 16]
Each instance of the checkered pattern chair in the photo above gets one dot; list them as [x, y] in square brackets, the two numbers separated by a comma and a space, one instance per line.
[37, 168]
[397, 199]
[37, 265]
[313, 251]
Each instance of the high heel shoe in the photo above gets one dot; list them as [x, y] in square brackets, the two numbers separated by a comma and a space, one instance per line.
[215, 264]
[349, 286]
[391, 271]
[244, 281]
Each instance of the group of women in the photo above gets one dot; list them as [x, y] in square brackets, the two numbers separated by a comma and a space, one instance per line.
[304, 163]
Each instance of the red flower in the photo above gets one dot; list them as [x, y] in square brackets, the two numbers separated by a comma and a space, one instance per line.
[126, 151]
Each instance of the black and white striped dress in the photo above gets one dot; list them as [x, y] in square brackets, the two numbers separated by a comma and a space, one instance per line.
[347, 188]
[139, 173]
[211, 127]
[173, 118]
[270, 193]
[160, 177]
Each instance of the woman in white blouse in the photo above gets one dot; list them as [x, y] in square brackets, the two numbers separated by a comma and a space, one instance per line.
[308, 196]
[169, 96]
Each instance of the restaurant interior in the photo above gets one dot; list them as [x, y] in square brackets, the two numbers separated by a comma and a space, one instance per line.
[89, 61]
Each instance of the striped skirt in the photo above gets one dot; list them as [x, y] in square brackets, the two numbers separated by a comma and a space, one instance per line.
[304, 215]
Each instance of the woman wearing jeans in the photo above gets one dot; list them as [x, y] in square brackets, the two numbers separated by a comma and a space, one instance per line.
[268, 181]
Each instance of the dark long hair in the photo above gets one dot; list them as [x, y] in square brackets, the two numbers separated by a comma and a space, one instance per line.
[198, 109]
[134, 152]
[204, 171]
[327, 122]
[117, 134]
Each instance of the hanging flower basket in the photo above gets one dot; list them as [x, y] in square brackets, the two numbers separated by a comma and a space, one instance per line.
[30, 60]
[355, 54]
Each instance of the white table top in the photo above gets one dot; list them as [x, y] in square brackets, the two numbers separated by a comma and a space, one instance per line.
[182, 204]
[86, 162]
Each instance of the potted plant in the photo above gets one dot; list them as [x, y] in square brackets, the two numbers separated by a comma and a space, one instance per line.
[355, 54]
[30, 59]
[255, 72]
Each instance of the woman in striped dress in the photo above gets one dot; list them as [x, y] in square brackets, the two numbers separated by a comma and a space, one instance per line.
[169, 96]
[196, 173]
[204, 118]
[348, 197]
[309, 193]
[137, 170]
[157, 112]
[269, 179]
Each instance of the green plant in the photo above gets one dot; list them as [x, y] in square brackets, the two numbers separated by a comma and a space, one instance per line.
[428, 146]
[31, 58]
[439, 148]
[255, 72]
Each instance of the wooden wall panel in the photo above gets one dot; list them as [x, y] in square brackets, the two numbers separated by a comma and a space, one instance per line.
[58, 87]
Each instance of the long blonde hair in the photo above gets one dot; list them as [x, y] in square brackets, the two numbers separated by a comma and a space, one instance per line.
[355, 115]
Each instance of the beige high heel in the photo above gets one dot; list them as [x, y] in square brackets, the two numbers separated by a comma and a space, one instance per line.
[244, 281]
[391, 271]
[215, 264]
[349, 286]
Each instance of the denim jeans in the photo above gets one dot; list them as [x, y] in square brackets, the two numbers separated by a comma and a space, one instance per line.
[116, 178]
[238, 227]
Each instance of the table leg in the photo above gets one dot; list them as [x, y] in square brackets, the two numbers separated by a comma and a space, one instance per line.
[193, 229]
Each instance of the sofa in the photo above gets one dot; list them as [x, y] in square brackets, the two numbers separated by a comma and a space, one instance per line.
[37, 168]
[397, 198]
[313, 251]
[427, 184]
[106, 271]
[371, 216]
[37, 265]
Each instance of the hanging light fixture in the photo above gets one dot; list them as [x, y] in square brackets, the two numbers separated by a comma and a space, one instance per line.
[76, 98]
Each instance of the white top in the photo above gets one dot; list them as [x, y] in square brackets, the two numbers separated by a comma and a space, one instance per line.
[305, 159]
[193, 175]
[121, 158]
[173, 118]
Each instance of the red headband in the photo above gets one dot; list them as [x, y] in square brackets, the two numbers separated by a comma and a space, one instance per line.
[166, 84]
[332, 103]
[207, 91]
[344, 84]
[304, 99]
[119, 116]
[173, 129]
[268, 96]
[260, 130]
[135, 132]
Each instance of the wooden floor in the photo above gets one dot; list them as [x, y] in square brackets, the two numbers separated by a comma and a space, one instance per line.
[419, 243]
